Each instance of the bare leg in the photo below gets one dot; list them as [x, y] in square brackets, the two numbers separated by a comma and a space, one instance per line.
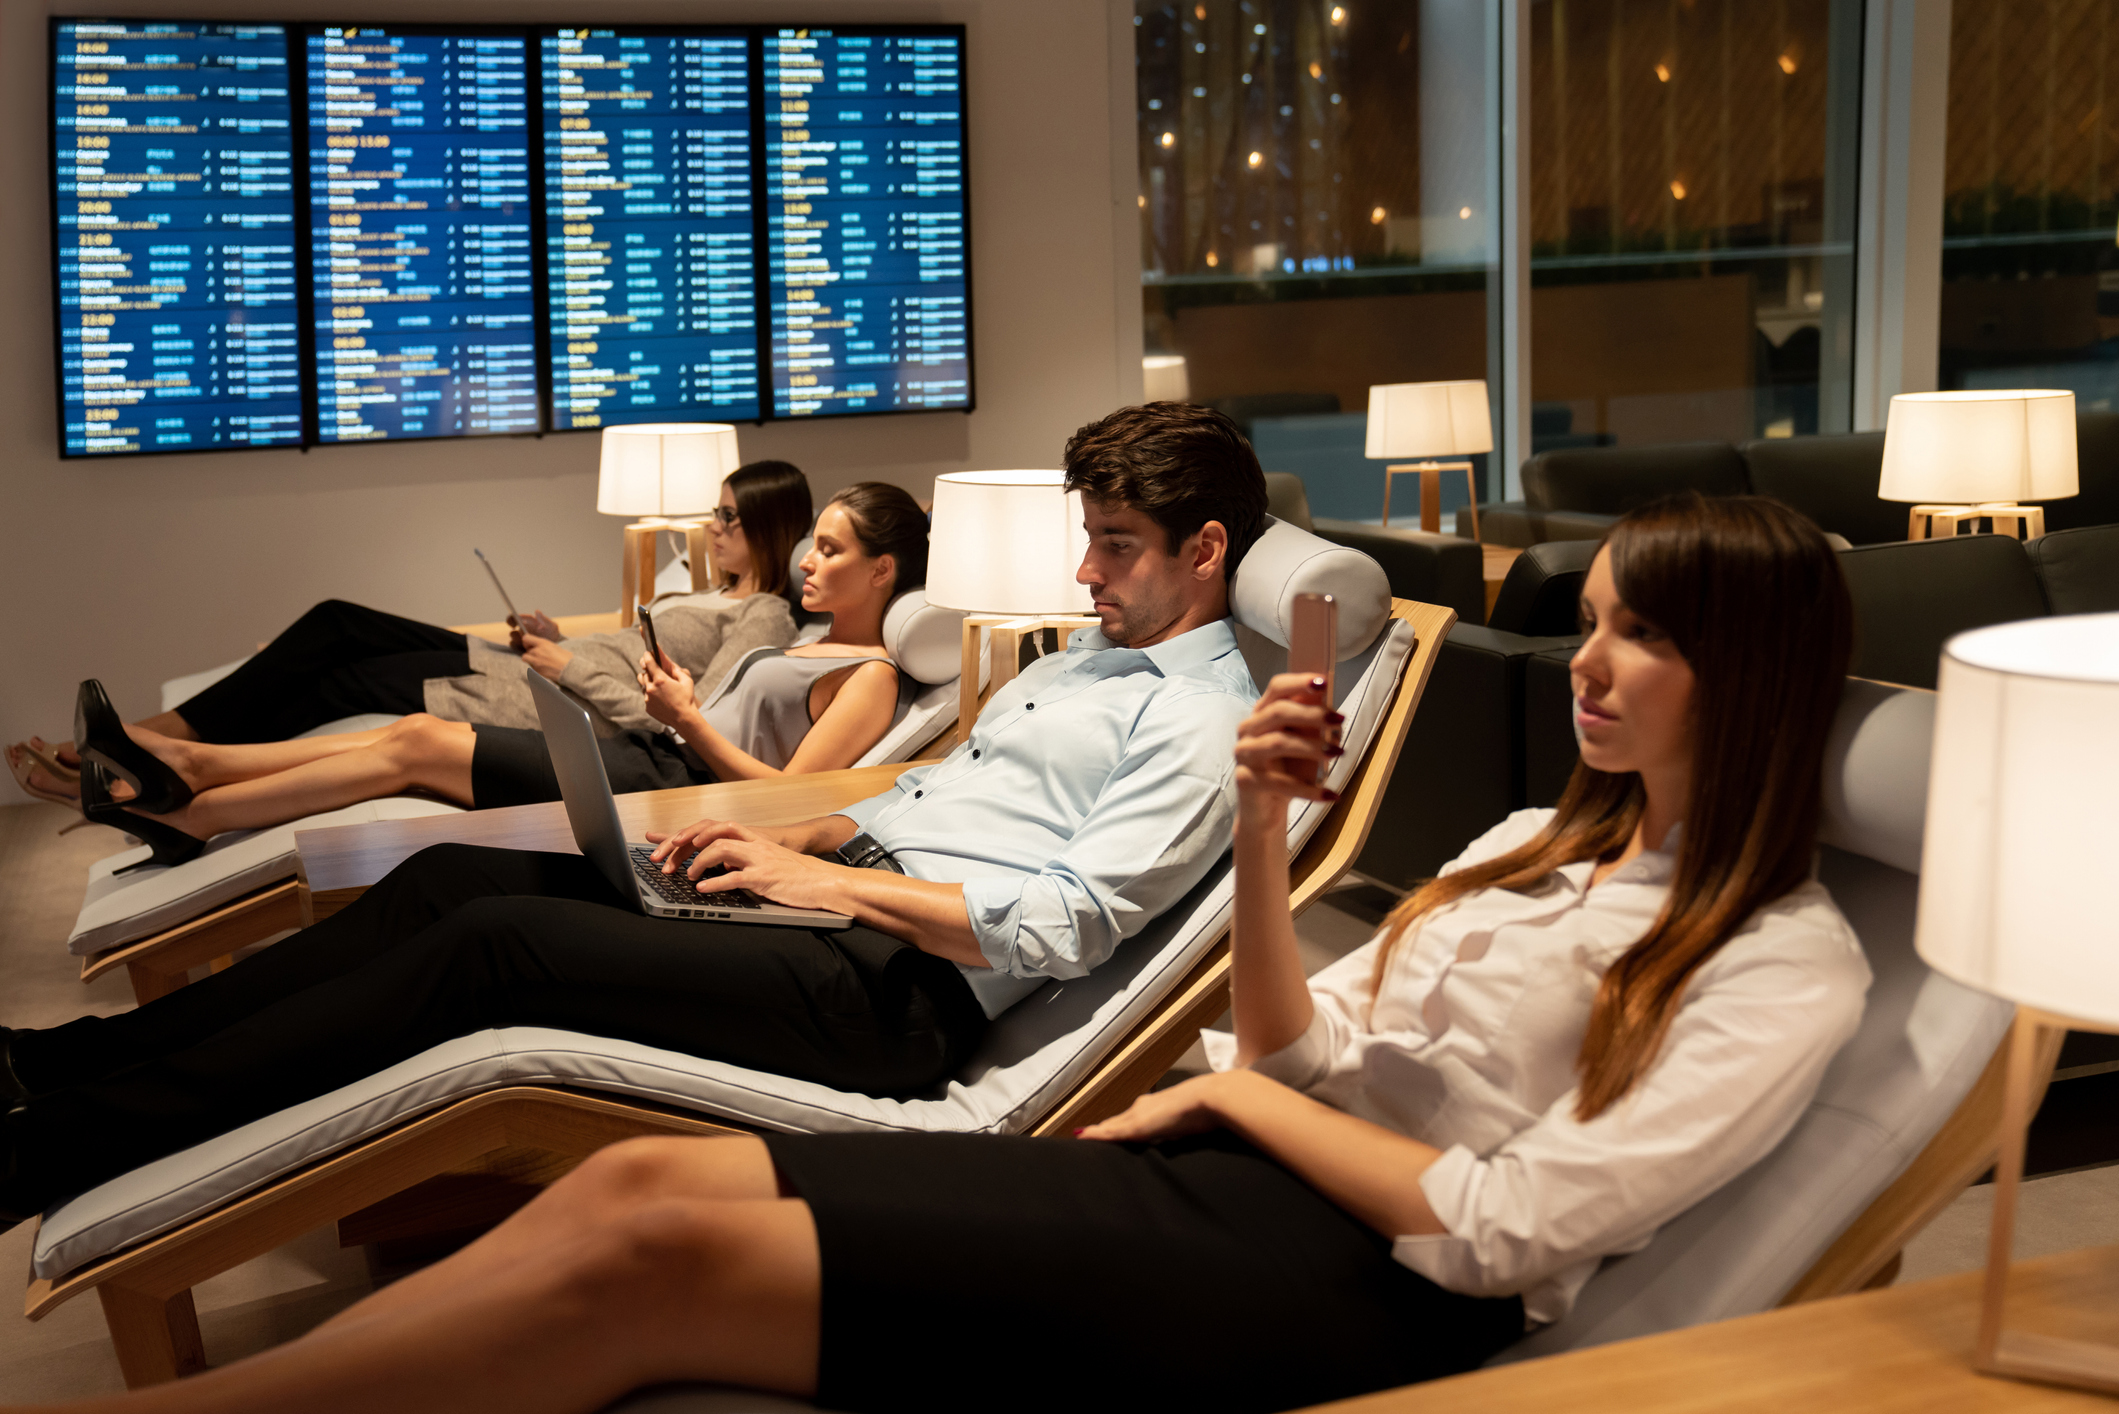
[415, 752]
[204, 766]
[675, 1289]
[621, 1178]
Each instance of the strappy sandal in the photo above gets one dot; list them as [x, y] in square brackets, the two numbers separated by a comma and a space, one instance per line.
[100, 736]
[23, 765]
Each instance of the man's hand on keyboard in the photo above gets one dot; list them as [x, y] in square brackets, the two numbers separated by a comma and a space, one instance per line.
[768, 869]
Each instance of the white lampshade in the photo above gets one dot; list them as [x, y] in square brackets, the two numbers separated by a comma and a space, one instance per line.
[1163, 379]
[1006, 542]
[2014, 898]
[1961, 449]
[1429, 419]
[664, 468]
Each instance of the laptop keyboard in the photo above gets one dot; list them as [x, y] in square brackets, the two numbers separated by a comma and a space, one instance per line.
[677, 889]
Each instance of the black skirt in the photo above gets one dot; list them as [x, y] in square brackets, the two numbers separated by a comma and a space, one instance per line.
[513, 766]
[975, 1272]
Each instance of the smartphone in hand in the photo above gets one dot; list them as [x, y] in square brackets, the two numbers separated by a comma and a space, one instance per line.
[647, 631]
[1313, 648]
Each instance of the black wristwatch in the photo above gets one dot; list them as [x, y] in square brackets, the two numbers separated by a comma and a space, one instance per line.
[865, 851]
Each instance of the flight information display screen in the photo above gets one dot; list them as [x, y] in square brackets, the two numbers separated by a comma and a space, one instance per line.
[420, 233]
[867, 217]
[173, 189]
[650, 256]
[287, 234]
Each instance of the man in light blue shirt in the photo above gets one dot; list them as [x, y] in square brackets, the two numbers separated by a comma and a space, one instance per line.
[1094, 792]
[1097, 787]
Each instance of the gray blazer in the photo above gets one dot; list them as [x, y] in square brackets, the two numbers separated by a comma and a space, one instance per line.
[705, 634]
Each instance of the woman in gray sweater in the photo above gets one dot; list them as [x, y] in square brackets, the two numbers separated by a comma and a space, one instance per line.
[819, 707]
[342, 659]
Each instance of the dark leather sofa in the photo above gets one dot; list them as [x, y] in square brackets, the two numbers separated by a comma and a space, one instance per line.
[1576, 492]
[1495, 733]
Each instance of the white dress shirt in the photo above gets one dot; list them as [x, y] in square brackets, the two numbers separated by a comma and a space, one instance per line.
[1472, 1044]
[1096, 789]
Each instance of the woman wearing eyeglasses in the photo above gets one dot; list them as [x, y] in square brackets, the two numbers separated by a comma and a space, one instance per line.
[817, 707]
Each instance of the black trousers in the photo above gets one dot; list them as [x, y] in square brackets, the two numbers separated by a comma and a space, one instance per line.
[337, 660]
[455, 940]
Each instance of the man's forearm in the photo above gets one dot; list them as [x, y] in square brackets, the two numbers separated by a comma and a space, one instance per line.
[930, 916]
[822, 835]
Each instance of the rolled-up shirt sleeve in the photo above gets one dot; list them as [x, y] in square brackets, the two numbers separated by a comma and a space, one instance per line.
[862, 812]
[1743, 1058]
[1159, 822]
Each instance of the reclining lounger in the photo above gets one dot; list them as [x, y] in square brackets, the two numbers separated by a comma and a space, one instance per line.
[158, 924]
[1068, 1054]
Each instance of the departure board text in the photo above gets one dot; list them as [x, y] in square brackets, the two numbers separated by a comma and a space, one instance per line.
[175, 237]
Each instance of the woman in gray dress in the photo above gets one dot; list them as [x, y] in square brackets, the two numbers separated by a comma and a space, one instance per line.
[843, 691]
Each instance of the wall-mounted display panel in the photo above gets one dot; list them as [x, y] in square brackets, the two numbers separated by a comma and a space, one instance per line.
[869, 220]
[318, 233]
[650, 252]
[173, 193]
[420, 239]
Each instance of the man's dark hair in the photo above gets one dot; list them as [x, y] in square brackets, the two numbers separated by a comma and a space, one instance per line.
[1179, 464]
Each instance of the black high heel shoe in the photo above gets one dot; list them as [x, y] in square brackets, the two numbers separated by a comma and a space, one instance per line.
[170, 844]
[99, 735]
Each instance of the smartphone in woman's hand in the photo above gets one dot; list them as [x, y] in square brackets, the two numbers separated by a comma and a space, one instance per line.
[1313, 650]
[647, 631]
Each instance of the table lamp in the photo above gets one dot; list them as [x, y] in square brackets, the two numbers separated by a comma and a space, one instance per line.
[1973, 456]
[2014, 900]
[1430, 420]
[1005, 549]
[654, 470]
[1163, 379]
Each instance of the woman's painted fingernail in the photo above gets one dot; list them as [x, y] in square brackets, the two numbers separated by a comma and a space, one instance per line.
[1328, 795]
[1335, 750]
[1081, 1131]
[1334, 718]
[1317, 684]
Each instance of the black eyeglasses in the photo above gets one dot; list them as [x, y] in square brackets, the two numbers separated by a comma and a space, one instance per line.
[726, 515]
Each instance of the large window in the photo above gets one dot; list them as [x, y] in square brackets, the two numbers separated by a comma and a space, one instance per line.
[1692, 210]
[1314, 216]
[2030, 272]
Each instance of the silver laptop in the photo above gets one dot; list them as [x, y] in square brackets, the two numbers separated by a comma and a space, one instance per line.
[593, 813]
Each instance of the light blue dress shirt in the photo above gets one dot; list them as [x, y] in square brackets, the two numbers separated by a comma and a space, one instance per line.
[1096, 789]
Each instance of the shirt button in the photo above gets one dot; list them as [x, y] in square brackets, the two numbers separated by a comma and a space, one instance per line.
[1029, 706]
[917, 794]
[974, 753]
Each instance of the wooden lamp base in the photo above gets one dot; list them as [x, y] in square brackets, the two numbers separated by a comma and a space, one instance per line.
[2022, 1355]
[1431, 491]
[2028, 522]
[1003, 635]
[636, 584]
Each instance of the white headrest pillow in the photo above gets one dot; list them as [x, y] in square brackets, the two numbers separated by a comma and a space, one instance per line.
[1286, 561]
[1876, 772]
[924, 639]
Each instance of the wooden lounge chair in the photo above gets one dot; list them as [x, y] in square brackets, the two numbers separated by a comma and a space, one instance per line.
[398, 1179]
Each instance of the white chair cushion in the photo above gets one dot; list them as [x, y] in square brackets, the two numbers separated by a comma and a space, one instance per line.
[1922, 1044]
[931, 712]
[926, 640]
[1031, 1056]
[1286, 561]
[139, 905]
[177, 691]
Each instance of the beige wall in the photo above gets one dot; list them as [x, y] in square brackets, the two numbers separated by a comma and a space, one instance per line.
[143, 568]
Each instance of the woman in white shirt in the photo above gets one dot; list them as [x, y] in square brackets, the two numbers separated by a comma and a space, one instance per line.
[1596, 1017]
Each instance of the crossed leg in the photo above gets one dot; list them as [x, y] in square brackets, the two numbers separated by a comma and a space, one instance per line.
[656, 1260]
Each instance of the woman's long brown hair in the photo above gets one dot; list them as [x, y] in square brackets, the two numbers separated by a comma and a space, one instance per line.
[1752, 596]
[772, 502]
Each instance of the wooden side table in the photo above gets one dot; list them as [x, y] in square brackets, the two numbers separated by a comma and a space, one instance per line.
[1903, 1348]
